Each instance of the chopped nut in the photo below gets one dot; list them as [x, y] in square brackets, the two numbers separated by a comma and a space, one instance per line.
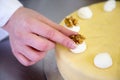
[78, 39]
[70, 21]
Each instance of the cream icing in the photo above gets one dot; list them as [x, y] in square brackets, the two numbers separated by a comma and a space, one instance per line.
[103, 60]
[85, 13]
[79, 48]
[110, 5]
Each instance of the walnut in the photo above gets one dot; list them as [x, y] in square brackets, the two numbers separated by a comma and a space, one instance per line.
[78, 39]
[70, 21]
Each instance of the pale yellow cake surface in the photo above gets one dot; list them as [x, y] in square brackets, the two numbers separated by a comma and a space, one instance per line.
[102, 34]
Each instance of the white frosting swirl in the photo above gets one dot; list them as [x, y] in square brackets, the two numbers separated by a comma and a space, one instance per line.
[103, 60]
[79, 48]
[73, 28]
[85, 13]
[110, 5]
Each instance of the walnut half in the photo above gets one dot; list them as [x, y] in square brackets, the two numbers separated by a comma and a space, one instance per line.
[70, 21]
[78, 39]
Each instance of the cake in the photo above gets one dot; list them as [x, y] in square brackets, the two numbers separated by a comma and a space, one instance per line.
[99, 58]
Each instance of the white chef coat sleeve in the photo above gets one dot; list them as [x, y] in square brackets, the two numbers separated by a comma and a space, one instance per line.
[7, 9]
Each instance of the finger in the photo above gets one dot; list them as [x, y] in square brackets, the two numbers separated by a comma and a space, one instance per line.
[65, 31]
[38, 42]
[31, 53]
[23, 60]
[52, 34]
[56, 26]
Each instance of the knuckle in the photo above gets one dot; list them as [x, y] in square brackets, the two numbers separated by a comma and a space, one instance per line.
[37, 45]
[52, 45]
[47, 46]
[41, 45]
[50, 34]
[19, 35]
[44, 47]
[39, 56]
[42, 55]
[27, 22]
[66, 43]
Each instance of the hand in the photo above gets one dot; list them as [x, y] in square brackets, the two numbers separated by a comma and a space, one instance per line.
[32, 35]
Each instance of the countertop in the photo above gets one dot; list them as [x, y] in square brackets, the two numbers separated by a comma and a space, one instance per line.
[46, 69]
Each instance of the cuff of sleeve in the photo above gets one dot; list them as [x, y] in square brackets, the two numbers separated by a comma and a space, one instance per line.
[3, 34]
[7, 9]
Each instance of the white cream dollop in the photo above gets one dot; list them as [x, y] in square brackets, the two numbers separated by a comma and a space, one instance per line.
[110, 5]
[85, 13]
[73, 28]
[79, 48]
[103, 60]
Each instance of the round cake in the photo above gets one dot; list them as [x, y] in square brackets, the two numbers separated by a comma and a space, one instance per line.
[99, 59]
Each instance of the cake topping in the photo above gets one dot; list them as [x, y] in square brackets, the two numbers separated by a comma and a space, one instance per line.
[70, 21]
[74, 28]
[81, 45]
[72, 24]
[103, 60]
[85, 13]
[78, 39]
[79, 48]
[110, 5]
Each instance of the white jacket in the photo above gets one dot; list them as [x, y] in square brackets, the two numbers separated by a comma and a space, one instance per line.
[7, 9]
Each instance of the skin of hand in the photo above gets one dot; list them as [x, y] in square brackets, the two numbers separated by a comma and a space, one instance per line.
[31, 35]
